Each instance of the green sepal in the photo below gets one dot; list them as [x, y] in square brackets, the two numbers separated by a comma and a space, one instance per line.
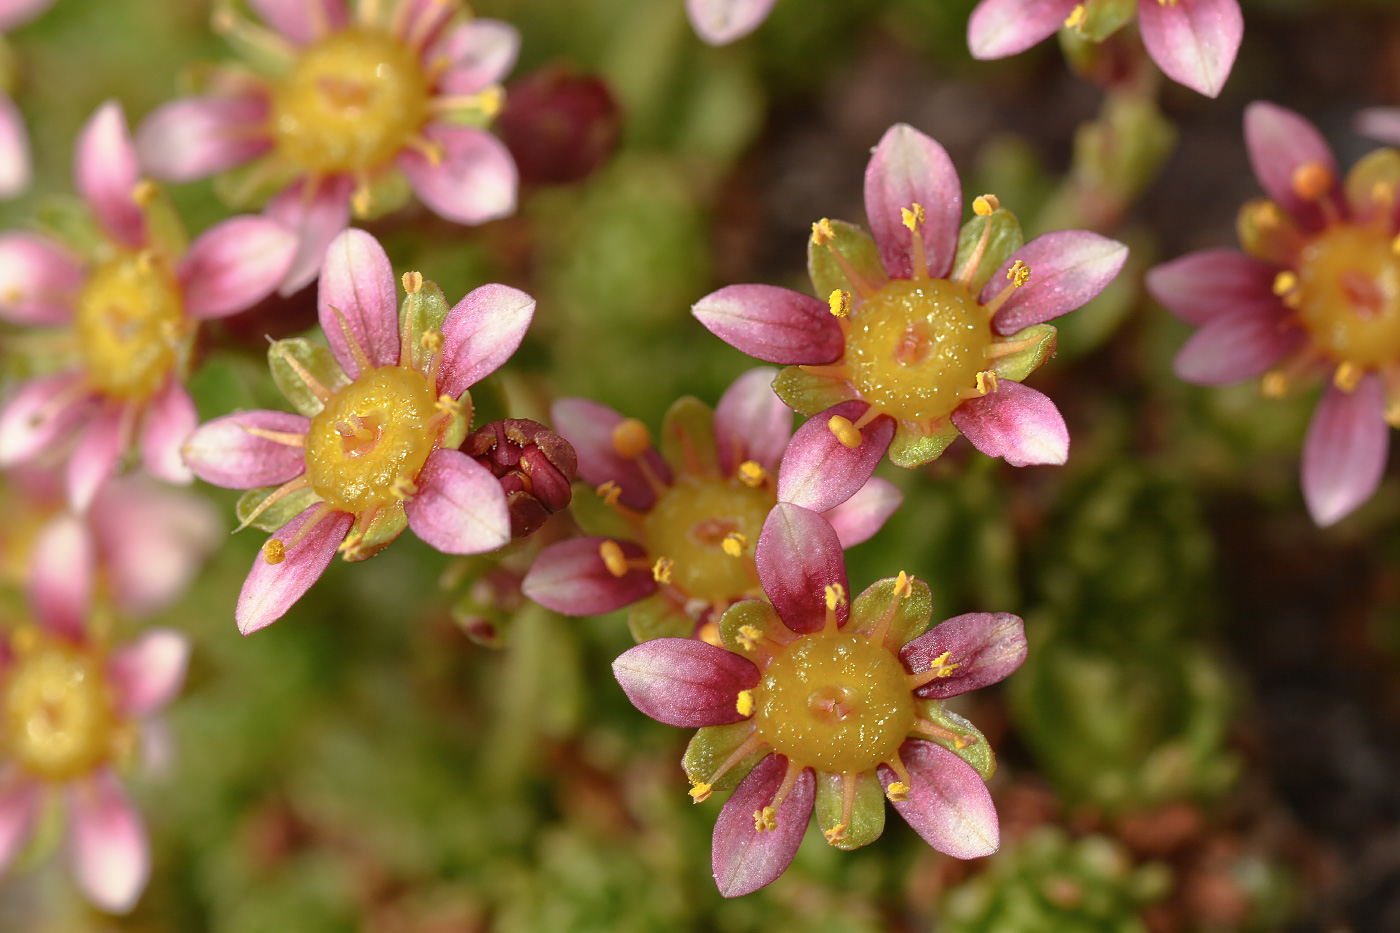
[267, 56]
[387, 526]
[754, 612]
[279, 513]
[489, 401]
[911, 617]
[858, 249]
[596, 517]
[317, 360]
[807, 394]
[424, 310]
[253, 184]
[387, 192]
[475, 114]
[1017, 366]
[455, 431]
[657, 617]
[711, 747]
[165, 231]
[911, 447]
[688, 437]
[67, 219]
[1266, 232]
[867, 809]
[1378, 167]
[1102, 18]
[1006, 237]
[976, 752]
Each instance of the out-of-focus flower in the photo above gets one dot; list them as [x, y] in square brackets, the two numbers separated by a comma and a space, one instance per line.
[348, 111]
[817, 703]
[560, 126]
[536, 468]
[16, 167]
[1193, 41]
[132, 295]
[720, 22]
[72, 712]
[915, 338]
[373, 448]
[678, 540]
[1315, 294]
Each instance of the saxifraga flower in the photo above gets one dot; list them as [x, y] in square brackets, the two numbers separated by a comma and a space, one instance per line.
[1315, 295]
[16, 166]
[913, 330]
[132, 294]
[373, 448]
[720, 22]
[348, 111]
[817, 703]
[676, 542]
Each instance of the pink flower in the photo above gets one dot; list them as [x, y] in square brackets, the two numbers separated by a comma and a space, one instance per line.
[1193, 41]
[914, 335]
[1314, 295]
[818, 703]
[720, 22]
[676, 539]
[16, 170]
[350, 108]
[72, 713]
[133, 302]
[373, 448]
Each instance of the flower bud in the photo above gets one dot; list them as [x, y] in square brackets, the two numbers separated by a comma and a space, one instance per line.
[535, 466]
[559, 125]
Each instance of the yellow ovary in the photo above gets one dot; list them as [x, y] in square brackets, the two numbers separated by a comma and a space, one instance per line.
[915, 347]
[130, 324]
[1349, 296]
[351, 103]
[690, 524]
[58, 720]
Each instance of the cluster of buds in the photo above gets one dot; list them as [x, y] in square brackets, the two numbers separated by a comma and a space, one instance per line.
[536, 468]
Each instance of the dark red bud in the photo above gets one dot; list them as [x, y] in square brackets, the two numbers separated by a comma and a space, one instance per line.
[559, 125]
[536, 468]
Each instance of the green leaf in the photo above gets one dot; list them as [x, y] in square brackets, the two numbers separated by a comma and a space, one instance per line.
[912, 448]
[1017, 366]
[688, 437]
[286, 357]
[911, 616]
[857, 248]
[711, 747]
[975, 750]
[867, 809]
[277, 514]
[1003, 240]
[658, 617]
[807, 394]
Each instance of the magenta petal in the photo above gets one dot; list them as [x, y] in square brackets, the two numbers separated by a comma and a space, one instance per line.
[998, 28]
[195, 137]
[685, 682]
[1345, 450]
[720, 22]
[39, 280]
[302, 21]
[744, 859]
[272, 589]
[358, 282]
[1380, 123]
[772, 324]
[170, 420]
[224, 453]
[100, 448]
[482, 53]
[570, 577]
[1068, 269]
[107, 841]
[1280, 142]
[1236, 347]
[20, 797]
[460, 507]
[858, 518]
[985, 646]
[1201, 286]
[948, 803]
[818, 472]
[1193, 41]
[475, 181]
[317, 219]
[751, 422]
[148, 673]
[16, 170]
[235, 264]
[589, 427]
[105, 173]
[41, 412]
[910, 168]
[1016, 423]
[799, 557]
[62, 573]
[480, 333]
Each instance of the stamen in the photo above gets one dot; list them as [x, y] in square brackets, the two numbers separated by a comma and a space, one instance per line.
[274, 552]
[794, 771]
[700, 792]
[734, 544]
[840, 303]
[985, 205]
[1018, 275]
[412, 282]
[403, 488]
[613, 558]
[609, 492]
[934, 731]
[823, 234]
[427, 148]
[1347, 377]
[835, 596]
[940, 667]
[836, 833]
[144, 192]
[745, 749]
[845, 432]
[631, 439]
[286, 489]
[744, 703]
[356, 351]
[1311, 180]
[312, 384]
[305, 529]
[1076, 17]
[752, 474]
[765, 819]
[1001, 348]
[898, 791]
[903, 589]
[285, 438]
[986, 382]
[913, 218]
[661, 570]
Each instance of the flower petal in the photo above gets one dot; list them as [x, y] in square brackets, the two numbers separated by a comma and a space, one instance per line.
[18, 12]
[948, 802]
[744, 859]
[570, 577]
[148, 673]
[1345, 450]
[39, 280]
[317, 219]
[775, 325]
[170, 420]
[482, 53]
[1380, 123]
[111, 857]
[41, 412]
[589, 427]
[818, 471]
[62, 573]
[16, 170]
[685, 682]
[195, 137]
[720, 22]
[998, 28]
[910, 168]
[460, 507]
[358, 282]
[1193, 41]
[1236, 347]
[799, 557]
[1281, 141]
[234, 264]
[474, 181]
[985, 646]
[20, 798]
[302, 21]
[858, 518]
[272, 589]
[100, 447]
[480, 333]
[1201, 286]
[226, 453]
[751, 422]
[105, 173]
[1068, 270]
[1015, 423]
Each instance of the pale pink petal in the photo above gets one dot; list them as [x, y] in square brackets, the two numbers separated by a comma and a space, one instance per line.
[272, 589]
[744, 859]
[302, 21]
[858, 518]
[105, 173]
[589, 426]
[460, 507]
[224, 452]
[1235, 347]
[100, 448]
[1281, 141]
[317, 217]
[62, 573]
[234, 264]
[358, 283]
[1380, 123]
[1016, 423]
[819, 472]
[909, 168]
[775, 325]
[475, 181]
[985, 647]
[998, 28]
[170, 420]
[20, 797]
[570, 577]
[39, 280]
[195, 137]
[157, 748]
[107, 842]
[1193, 41]
[1068, 269]
[799, 557]
[15, 169]
[720, 22]
[1201, 286]
[1345, 450]
[948, 803]
[148, 673]
[685, 682]
[480, 333]
[482, 53]
[751, 422]
[40, 413]
[18, 12]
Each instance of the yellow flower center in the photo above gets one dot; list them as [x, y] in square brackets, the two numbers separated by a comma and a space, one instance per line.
[915, 347]
[58, 721]
[690, 525]
[368, 445]
[1349, 295]
[351, 102]
[130, 323]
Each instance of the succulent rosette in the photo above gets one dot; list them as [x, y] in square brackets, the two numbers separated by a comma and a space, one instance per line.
[816, 702]
[720, 22]
[337, 111]
[372, 449]
[922, 332]
[131, 292]
[16, 168]
[1194, 42]
[75, 711]
[1314, 296]
[671, 532]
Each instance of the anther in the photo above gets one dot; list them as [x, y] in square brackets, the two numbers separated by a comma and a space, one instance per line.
[144, 192]
[431, 341]
[748, 637]
[903, 585]
[631, 439]
[412, 282]
[1395, 246]
[403, 488]
[836, 833]
[752, 474]
[765, 819]
[1347, 377]
[613, 558]
[912, 217]
[835, 596]
[840, 303]
[1284, 283]
[985, 205]
[609, 492]
[1019, 273]
[661, 570]
[1076, 17]
[744, 703]
[734, 544]
[845, 432]
[898, 791]
[986, 382]
[1311, 180]
[1273, 385]
[274, 552]
[700, 792]
[822, 232]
